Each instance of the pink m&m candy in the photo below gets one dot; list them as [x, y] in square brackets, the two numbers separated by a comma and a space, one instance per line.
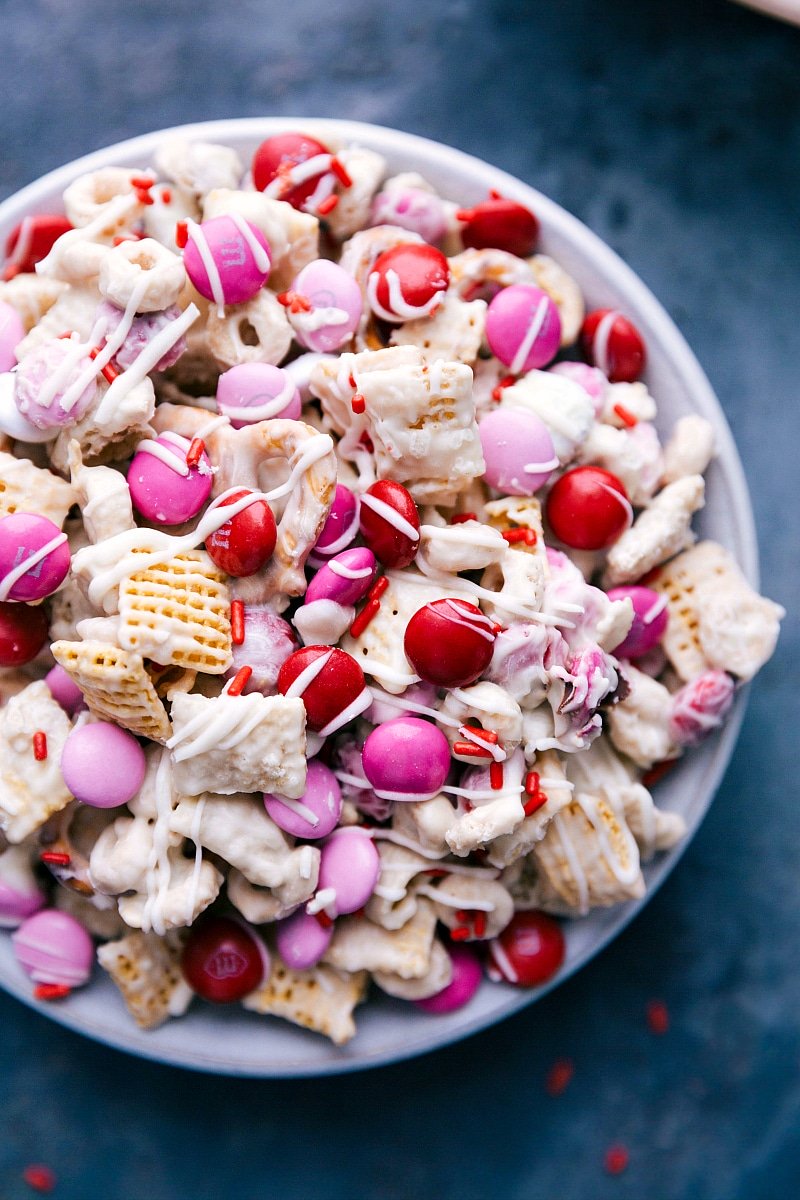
[591, 379]
[412, 208]
[302, 940]
[12, 331]
[650, 619]
[406, 759]
[467, 976]
[34, 557]
[64, 690]
[523, 328]
[349, 866]
[102, 765]
[323, 306]
[518, 451]
[341, 525]
[164, 488]
[20, 894]
[345, 578]
[253, 392]
[316, 813]
[227, 259]
[49, 388]
[700, 706]
[52, 947]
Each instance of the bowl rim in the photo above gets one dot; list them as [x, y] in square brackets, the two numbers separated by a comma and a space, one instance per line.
[388, 140]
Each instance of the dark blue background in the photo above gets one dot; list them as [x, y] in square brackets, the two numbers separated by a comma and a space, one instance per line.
[672, 129]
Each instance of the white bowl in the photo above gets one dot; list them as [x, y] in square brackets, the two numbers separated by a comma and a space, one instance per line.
[231, 1041]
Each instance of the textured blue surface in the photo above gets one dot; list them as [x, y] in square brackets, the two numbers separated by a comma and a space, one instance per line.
[672, 129]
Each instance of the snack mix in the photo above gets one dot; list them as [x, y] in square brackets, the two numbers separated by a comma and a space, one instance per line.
[345, 617]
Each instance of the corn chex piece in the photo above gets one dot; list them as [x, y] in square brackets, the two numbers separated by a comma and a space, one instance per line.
[31, 789]
[147, 970]
[26, 488]
[115, 686]
[320, 999]
[715, 617]
[177, 613]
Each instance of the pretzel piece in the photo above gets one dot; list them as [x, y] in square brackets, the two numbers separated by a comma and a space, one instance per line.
[359, 945]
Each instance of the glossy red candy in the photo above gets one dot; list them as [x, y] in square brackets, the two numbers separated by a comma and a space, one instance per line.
[278, 155]
[388, 518]
[221, 960]
[32, 240]
[407, 281]
[530, 949]
[243, 545]
[500, 224]
[23, 632]
[588, 508]
[449, 642]
[611, 342]
[330, 683]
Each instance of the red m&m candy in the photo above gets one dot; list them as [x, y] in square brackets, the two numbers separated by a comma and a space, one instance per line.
[243, 545]
[280, 165]
[389, 523]
[529, 951]
[222, 961]
[407, 282]
[449, 642]
[330, 683]
[588, 508]
[499, 224]
[32, 240]
[23, 632]
[611, 342]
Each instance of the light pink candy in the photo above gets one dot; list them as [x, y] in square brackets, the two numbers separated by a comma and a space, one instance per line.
[12, 331]
[267, 390]
[341, 525]
[350, 865]
[21, 535]
[650, 618]
[52, 947]
[268, 642]
[406, 759]
[334, 580]
[380, 712]
[64, 690]
[35, 370]
[102, 765]
[144, 327]
[467, 976]
[161, 493]
[240, 276]
[513, 441]
[509, 320]
[301, 940]
[330, 290]
[410, 208]
[322, 797]
[591, 379]
[20, 896]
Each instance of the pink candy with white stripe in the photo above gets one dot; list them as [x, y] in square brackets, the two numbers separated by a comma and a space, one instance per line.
[52, 947]
[523, 328]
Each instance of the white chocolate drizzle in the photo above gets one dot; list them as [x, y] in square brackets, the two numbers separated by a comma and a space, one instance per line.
[601, 338]
[517, 363]
[401, 309]
[200, 241]
[391, 516]
[159, 871]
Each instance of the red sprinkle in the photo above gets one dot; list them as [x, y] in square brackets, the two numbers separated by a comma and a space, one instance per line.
[108, 372]
[368, 612]
[51, 991]
[143, 196]
[240, 681]
[559, 1076]
[460, 933]
[658, 771]
[494, 194]
[181, 234]
[506, 381]
[195, 451]
[435, 872]
[512, 536]
[40, 746]
[658, 1017]
[470, 750]
[127, 237]
[54, 858]
[616, 1160]
[339, 171]
[142, 181]
[496, 776]
[327, 205]
[460, 518]
[488, 735]
[366, 441]
[625, 415]
[323, 918]
[351, 379]
[166, 196]
[532, 783]
[378, 588]
[39, 1178]
[294, 301]
[358, 403]
[237, 622]
[479, 924]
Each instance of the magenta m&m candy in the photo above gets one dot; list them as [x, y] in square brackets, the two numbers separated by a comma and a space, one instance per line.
[650, 619]
[389, 523]
[412, 208]
[52, 947]
[12, 331]
[88, 753]
[449, 642]
[323, 306]
[346, 578]
[253, 392]
[23, 632]
[291, 167]
[316, 813]
[243, 545]
[407, 282]
[301, 940]
[466, 980]
[330, 683]
[591, 379]
[349, 867]
[499, 224]
[518, 451]
[523, 328]
[34, 557]
[613, 343]
[588, 508]
[223, 959]
[529, 951]
[64, 690]
[406, 759]
[55, 384]
[227, 259]
[164, 487]
[20, 894]
[341, 525]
